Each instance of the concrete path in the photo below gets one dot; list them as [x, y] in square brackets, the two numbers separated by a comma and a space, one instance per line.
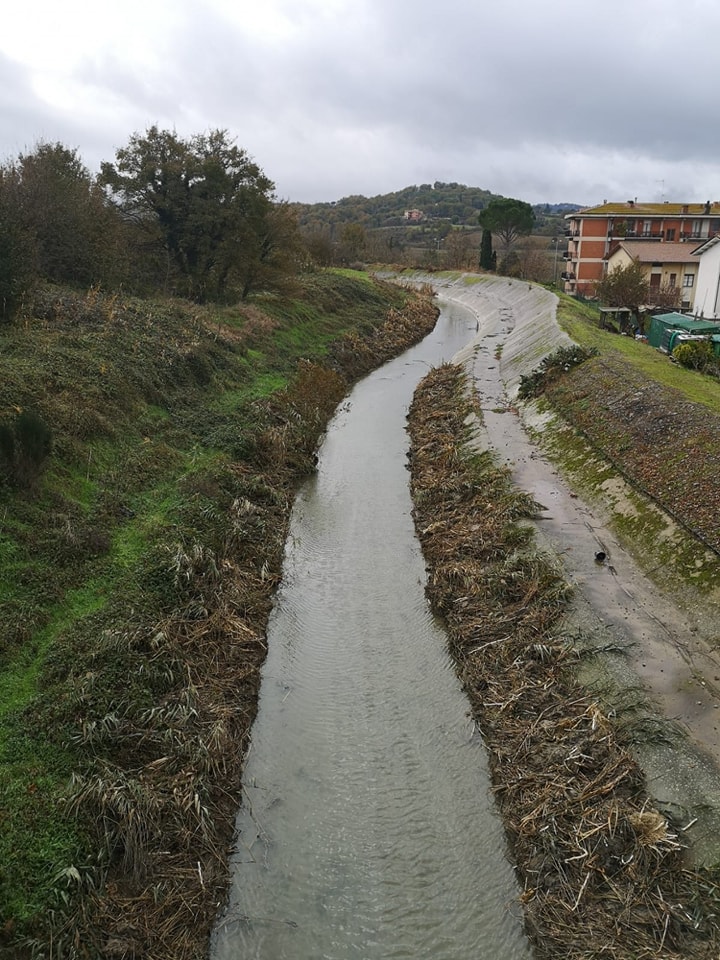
[663, 658]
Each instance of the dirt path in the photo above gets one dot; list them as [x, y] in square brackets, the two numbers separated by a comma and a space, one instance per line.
[659, 652]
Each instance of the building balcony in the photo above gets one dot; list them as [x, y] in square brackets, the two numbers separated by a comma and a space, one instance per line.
[568, 275]
[568, 256]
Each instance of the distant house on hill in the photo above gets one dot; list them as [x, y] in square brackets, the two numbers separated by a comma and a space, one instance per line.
[414, 216]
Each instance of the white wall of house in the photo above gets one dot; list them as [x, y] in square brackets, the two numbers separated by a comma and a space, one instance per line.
[707, 294]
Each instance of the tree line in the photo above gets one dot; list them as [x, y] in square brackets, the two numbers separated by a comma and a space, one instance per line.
[198, 218]
[193, 217]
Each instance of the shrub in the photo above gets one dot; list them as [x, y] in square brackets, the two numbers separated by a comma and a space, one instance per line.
[696, 355]
[551, 368]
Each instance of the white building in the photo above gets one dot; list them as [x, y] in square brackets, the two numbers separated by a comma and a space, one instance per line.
[707, 288]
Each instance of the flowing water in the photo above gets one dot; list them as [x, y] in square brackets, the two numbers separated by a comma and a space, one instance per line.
[367, 829]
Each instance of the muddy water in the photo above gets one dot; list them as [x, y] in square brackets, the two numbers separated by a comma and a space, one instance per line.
[368, 829]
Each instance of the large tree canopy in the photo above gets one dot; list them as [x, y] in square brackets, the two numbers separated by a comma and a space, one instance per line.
[204, 200]
[60, 207]
[17, 249]
[508, 219]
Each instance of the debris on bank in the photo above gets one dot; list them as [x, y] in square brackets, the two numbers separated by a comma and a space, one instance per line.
[601, 870]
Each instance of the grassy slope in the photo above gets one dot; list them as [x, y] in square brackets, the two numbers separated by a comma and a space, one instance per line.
[151, 405]
[574, 317]
[656, 423]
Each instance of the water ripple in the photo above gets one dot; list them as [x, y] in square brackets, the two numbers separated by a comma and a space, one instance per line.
[368, 829]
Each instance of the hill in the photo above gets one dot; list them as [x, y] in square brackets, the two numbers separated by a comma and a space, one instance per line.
[432, 226]
[455, 203]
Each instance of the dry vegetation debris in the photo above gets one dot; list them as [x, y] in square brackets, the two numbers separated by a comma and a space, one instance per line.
[601, 870]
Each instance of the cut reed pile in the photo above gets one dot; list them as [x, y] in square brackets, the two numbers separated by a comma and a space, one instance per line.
[601, 869]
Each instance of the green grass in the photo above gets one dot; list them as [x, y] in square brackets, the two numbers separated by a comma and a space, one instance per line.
[19, 678]
[665, 551]
[37, 839]
[578, 321]
[230, 401]
[74, 484]
[353, 274]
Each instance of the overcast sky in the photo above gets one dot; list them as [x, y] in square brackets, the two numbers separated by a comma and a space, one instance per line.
[547, 102]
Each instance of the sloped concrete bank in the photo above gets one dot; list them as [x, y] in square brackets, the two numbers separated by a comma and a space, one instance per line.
[649, 647]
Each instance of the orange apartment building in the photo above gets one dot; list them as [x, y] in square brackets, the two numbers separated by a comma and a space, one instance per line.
[594, 233]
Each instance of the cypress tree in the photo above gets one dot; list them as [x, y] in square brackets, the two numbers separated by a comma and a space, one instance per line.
[486, 251]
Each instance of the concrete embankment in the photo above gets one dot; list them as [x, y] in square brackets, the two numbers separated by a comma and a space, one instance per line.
[649, 656]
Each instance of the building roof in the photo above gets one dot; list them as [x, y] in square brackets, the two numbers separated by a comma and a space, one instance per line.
[682, 322]
[637, 208]
[706, 245]
[670, 317]
[649, 251]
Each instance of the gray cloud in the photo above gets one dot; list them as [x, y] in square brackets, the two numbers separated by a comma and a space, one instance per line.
[527, 98]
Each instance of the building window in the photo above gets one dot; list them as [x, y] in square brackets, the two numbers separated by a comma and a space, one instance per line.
[647, 226]
[688, 279]
[670, 234]
[673, 280]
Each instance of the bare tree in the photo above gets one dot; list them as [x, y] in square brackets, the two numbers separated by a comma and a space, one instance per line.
[460, 249]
